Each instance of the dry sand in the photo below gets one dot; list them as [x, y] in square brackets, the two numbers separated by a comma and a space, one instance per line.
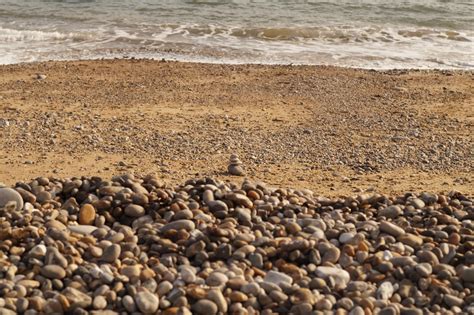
[336, 131]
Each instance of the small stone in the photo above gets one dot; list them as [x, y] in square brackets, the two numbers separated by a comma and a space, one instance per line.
[87, 214]
[424, 269]
[77, 298]
[164, 287]
[205, 307]
[187, 225]
[53, 272]
[111, 253]
[129, 304]
[99, 303]
[340, 276]
[235, 166]
[452, 300]
[278, 278]
[216, 279]
[303, 295]
[147, 302]
[411, 240]
[131, 271]
[417, 203]
[468, 274]
[391, 229]
[134, 211]
[10, 196]
[218, 298]
[82, 229]
[385, 291]
[237, 296]
[391, 212]
[332, 255]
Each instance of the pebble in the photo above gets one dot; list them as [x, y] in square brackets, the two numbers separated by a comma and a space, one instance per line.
[187, 225]
[235, 166]
[391, 229]
[205, 307]
[111, 253]
[340, 276]
[8, 196]
[87, 215]
[277, 278]
[218, 298]
[134, 211]
[391, 212]
[147, 302]
[82, 229]
[216, 279]
[53, 272]
[209, 247]
[468, 274]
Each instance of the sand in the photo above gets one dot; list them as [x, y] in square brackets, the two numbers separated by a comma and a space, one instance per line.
[336, 131]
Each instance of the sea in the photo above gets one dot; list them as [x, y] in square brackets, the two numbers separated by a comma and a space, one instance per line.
[371, 34]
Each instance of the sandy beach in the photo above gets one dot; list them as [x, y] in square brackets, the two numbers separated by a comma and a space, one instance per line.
[337, 131]
[356, 196]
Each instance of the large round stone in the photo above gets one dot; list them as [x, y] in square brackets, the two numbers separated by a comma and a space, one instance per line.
[8, 195]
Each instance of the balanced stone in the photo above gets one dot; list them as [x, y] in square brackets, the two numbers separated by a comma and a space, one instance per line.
[235, 166]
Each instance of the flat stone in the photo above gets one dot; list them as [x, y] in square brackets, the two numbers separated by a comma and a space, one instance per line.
[278, 278]
[187, 225]
[53, 272]
[147, 302]
[82, 229]
[391, 229]
[87, 214]
[8, 196]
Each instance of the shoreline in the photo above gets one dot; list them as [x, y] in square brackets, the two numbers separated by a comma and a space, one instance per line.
[332, 129]
[208, 62]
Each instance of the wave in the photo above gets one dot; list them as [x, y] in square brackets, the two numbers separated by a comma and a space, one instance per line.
[15, 35]
[342, 45]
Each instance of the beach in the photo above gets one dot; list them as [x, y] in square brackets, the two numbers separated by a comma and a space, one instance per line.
[337, 131]
[161, 187]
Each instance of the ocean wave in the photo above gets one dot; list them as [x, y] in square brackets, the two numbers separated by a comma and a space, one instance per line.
[15, 35]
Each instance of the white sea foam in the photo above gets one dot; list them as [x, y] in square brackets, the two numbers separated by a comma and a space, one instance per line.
[364, 34]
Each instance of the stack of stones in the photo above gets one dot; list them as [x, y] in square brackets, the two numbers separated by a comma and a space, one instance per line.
[134, 245]
[235, 166]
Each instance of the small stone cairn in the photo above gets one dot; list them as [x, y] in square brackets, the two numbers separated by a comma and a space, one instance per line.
[235, 166]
